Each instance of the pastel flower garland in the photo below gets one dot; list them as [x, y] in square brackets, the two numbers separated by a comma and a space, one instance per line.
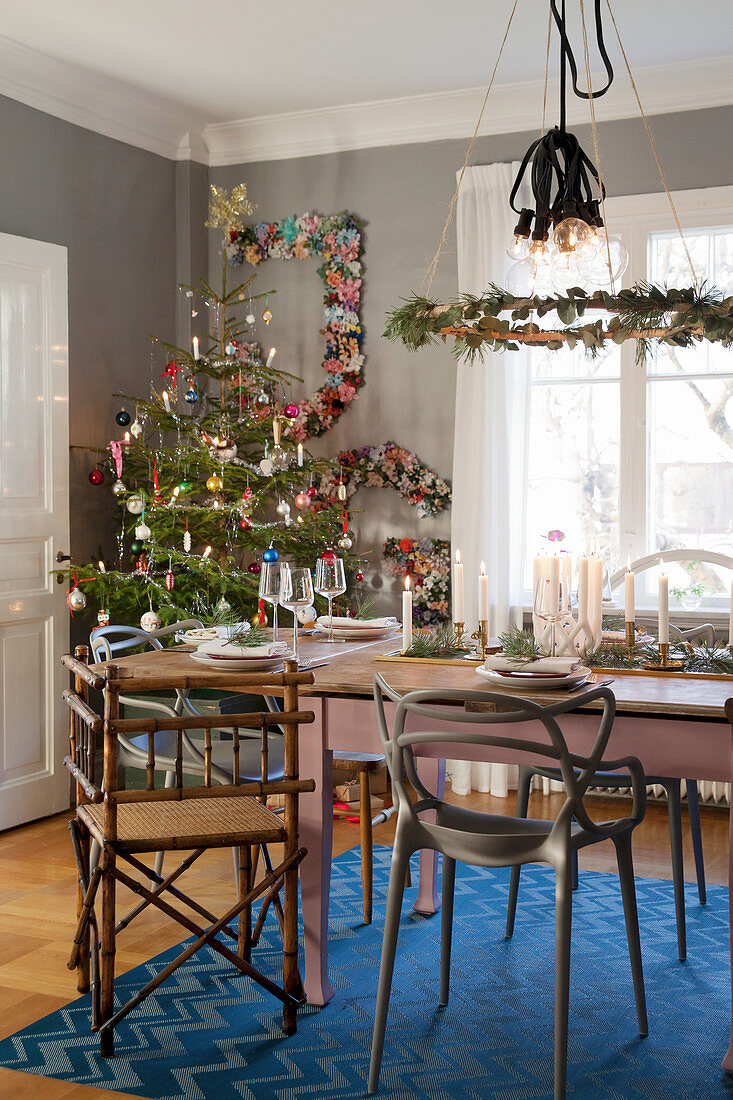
[390, 465]
[427, 561]
[337, 239]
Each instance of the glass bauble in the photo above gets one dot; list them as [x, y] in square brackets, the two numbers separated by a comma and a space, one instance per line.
[244, 523]
[137, 547]
[311, 491]
[283, 508]
[267, 315]
[96, 476]
[279, 457]
[191, 396]
[254, 567]
[291, 411]
[76, 599]
[328, 555]
[118, 488]
[214, 483]
[345, 542]
[123, 418]
[135, 505]
[306, 615]
[302, 500]
[136, 428]
[360, 576]
[170, 581]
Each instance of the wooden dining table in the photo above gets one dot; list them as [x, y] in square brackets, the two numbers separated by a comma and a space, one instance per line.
[676, 726]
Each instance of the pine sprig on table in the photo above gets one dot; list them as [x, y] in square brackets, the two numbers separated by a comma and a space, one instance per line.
[364, 606]
[434, 643]
[520, 645]
[256, 635]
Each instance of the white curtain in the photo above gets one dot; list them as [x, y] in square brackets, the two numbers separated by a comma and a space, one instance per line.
[490, 442]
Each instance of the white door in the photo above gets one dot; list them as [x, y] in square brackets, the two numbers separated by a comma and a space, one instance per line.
[34, 526]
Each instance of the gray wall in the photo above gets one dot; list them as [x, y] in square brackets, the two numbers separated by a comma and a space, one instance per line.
[114, 208]
[402, 193]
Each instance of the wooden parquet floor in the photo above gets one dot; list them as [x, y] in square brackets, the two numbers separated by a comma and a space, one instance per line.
[38, 908]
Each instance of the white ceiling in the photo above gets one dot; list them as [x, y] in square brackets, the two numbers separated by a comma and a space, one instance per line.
[230, 60]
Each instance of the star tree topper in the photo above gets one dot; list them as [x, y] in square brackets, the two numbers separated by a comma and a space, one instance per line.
[228, 210]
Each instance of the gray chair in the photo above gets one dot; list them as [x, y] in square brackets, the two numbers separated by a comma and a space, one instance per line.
[673, 788]
[490, 840]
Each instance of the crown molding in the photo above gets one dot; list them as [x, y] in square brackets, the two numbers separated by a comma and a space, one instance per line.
[98, 102]
[690, 85]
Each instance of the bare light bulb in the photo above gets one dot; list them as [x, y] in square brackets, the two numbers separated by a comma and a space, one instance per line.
[596, 267]
[571, 234]
[567, 272]
[518, 248]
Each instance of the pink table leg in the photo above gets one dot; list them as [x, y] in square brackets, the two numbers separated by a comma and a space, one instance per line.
[427, 902]
[316, 834]
[728, 1060]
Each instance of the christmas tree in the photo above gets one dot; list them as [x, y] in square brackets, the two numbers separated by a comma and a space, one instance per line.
[207, 476]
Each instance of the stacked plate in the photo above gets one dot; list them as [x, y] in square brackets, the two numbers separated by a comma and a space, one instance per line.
[536, 679]
[224, 656]
[357, 630]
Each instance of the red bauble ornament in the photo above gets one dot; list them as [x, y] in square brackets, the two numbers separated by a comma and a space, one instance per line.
[247, 494]
[169, 581]
[302, 500]
[360, 576]
[96, 476]
[141, 565]
[311, 491]
[254, 567]
[244, 523]
[291, 411]
[328, 555]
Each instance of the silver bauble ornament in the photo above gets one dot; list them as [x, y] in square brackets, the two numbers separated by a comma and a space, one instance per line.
[142, 531]
[150, 621]
[262, 398]
[345, 542]
[223, 607]
[266, 467]
[76, 599]
[136, 428]
[119, 488]
[135, 504]
[283, 508]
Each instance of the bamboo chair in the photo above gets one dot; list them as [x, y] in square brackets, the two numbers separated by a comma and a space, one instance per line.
[127, 824]
[498, 840]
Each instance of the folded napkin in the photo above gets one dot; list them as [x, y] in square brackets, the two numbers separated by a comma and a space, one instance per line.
[226, 631]
[342, 623]
[549, 665]
[228, 649]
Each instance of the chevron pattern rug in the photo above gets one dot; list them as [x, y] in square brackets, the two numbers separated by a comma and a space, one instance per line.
[208, 1034]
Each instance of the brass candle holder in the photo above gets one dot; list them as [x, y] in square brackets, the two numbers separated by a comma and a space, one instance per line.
[459, 629]
[482, 638]
[631, 636]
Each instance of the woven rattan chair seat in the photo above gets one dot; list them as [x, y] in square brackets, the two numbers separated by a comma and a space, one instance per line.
[190, 823]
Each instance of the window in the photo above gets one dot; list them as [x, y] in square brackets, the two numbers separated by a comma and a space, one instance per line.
[634, 459]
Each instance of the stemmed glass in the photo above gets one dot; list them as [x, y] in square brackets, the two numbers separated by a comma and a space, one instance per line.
[296, 590]
[551, 604]
[270, 590]
[330, 582]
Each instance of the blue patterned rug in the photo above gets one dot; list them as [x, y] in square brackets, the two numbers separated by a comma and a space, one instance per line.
[207, 1034]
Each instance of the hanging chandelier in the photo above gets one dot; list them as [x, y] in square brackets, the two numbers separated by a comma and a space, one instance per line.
[566, 263]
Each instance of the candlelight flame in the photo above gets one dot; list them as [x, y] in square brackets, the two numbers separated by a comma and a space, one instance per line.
[458, 557]
[483, 570]
[127, 437]
[407, 584]
[176, 491]
[661, 566]
[102, 568]
[273, 351]
[628, 564]
[206, 552]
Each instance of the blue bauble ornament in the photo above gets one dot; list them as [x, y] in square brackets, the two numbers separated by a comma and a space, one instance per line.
[270, 554]
[191, 396]
[123, 418]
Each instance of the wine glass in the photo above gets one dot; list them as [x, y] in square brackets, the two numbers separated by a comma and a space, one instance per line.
[552, 603]
[270, 590]
[330, 582]
[296, 590]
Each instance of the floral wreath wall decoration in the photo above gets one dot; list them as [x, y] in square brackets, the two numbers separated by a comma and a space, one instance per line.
[389, 465]
[337, 240]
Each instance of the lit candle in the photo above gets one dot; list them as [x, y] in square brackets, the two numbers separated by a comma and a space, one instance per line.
[458, 589]
[730, 621]
[196, 352]
[595, 594]
[629, 607]
[166, 402]
[553, 564]
[583, 590]
[206, 552]
[102, 567]
[127, 437]
[271, 356]
[663, 605]
[483, 594]
[406, 616]
[300, 454]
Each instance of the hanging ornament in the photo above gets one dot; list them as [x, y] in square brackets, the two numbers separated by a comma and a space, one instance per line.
[214, 483]
[137, 547]
[142, 531]
[76, 599]
[187, 541]
[123, 418]
[103, 617]
[311, 491]
[306, 615]
[360, 576]
[291, 411]
[151, 621]
[267, 312]
[184, 486]
[254, 567]
[247, 494]
[345, 542]
[279, 458]
[262, 398]
[244, 523]
[115, 446]
[270, 554]
[342, 494]
[170, 580]
[328, 555]
[141, 565]
[135, 504]
[136, 428]
[223, 607]
[218, 503]
[96, 476]
[230, 349]
[170, 372]
[226, 454]
[302, 500]
[266, 467]
[283, 508]
[118, 488]
[250, 318]
[191, 396]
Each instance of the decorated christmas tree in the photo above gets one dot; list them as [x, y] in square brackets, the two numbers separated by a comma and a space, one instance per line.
[207, 472]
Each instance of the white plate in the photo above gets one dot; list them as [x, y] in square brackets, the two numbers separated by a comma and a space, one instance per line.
[200, 634]
[245, 664]
[365, 634]
[536, 683]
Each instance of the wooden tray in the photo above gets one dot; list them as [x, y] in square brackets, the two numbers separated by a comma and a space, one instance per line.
[397, 658]
[674, 673]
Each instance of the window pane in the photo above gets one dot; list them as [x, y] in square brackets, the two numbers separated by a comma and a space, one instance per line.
[574, 466]
[576, 364]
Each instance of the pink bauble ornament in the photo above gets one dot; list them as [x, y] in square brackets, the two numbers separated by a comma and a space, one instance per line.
[291, 411]
[311, 491]
[302, 500]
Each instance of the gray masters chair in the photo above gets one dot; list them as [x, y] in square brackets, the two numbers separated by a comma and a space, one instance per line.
[490, 840]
